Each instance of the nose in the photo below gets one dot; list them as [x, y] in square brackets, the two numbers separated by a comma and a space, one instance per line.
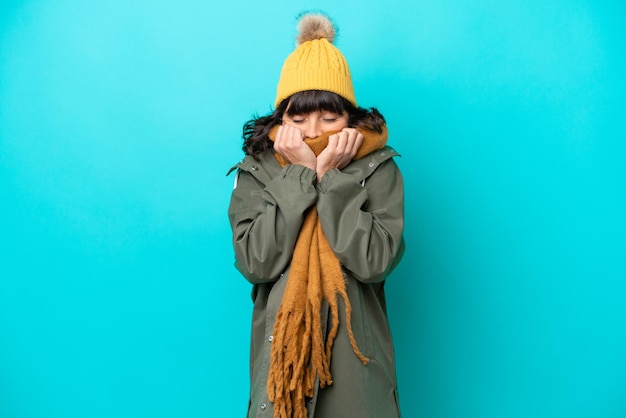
[311, 129]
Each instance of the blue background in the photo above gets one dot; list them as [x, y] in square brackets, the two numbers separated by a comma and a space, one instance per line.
[119, 120]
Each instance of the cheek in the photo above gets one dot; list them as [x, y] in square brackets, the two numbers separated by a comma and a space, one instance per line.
[340, 124]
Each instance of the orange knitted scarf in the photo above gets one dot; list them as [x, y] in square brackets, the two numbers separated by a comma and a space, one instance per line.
[299, 353]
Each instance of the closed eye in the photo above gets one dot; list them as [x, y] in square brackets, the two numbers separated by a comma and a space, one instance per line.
[296, 118]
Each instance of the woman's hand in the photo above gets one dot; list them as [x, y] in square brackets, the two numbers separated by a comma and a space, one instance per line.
[341, 149]
[289, 143]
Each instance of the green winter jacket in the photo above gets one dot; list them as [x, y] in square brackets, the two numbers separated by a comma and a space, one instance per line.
[361, 210]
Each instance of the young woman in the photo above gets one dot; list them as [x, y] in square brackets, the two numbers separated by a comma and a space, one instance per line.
[317, 215]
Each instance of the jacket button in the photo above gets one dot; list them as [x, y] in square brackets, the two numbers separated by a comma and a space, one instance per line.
[254, 168]
[382, 154]
[270, 338]
[263, 407]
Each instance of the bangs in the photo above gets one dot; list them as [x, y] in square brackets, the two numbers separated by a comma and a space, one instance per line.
[316, 100]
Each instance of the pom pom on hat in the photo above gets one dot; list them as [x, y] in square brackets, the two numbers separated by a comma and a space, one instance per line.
[315, 26]
[315, 64]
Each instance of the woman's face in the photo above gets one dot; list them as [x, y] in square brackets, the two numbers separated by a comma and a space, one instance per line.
[316, 123]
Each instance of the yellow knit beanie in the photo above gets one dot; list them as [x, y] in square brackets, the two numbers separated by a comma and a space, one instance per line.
[316, 64]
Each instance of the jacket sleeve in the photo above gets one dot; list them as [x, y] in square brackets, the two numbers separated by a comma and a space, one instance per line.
[266, 219]
[364, 224]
